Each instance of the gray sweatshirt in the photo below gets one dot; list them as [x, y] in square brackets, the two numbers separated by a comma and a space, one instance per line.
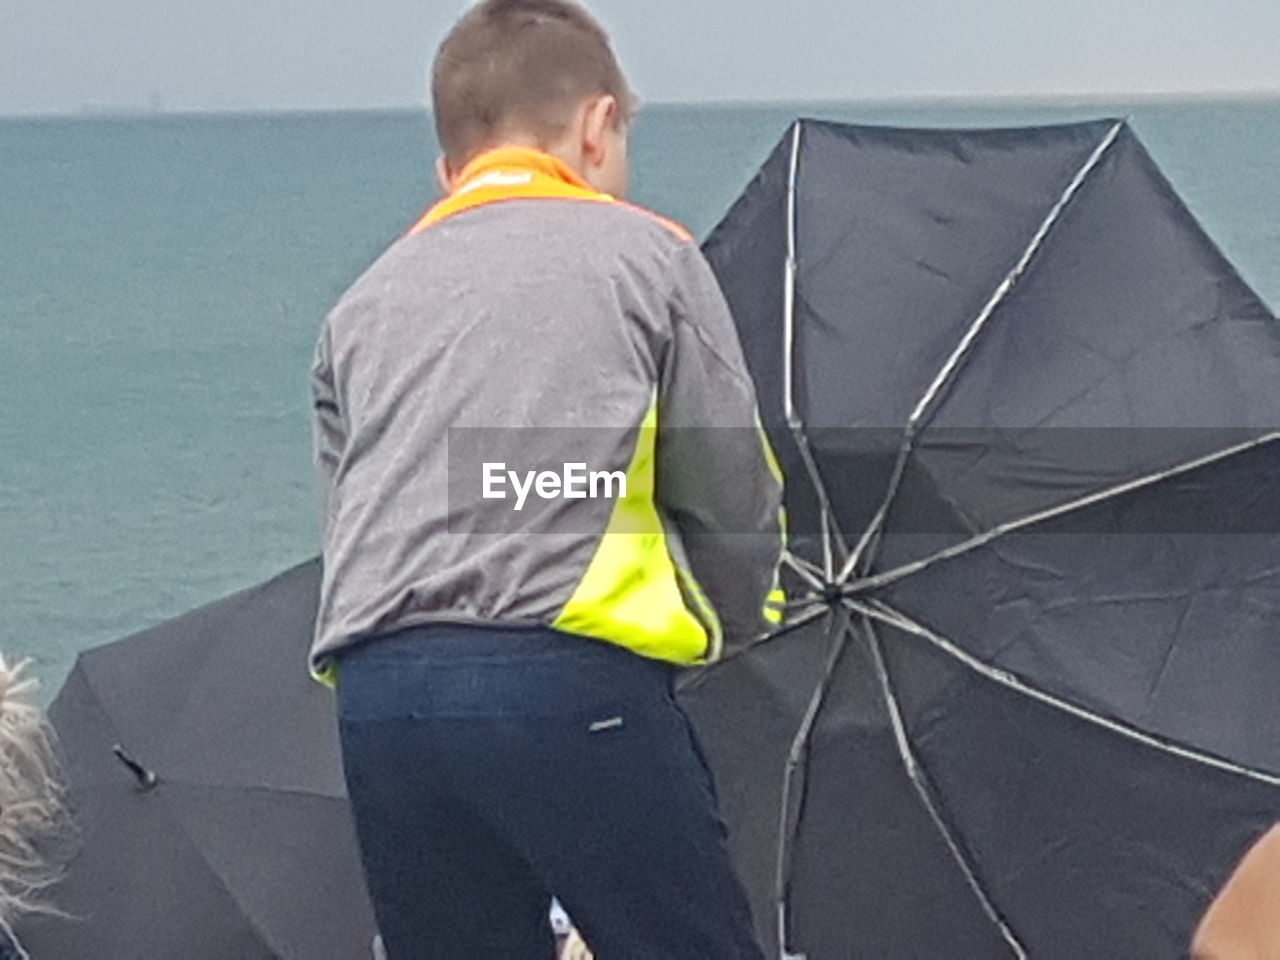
[564, 346]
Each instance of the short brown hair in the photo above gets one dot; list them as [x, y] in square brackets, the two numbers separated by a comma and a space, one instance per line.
[519, 65]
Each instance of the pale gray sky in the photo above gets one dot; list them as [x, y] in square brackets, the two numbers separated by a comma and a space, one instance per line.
[58, 55]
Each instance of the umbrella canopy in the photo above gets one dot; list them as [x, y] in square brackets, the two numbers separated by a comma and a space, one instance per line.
[208, 789]
[1026, 702]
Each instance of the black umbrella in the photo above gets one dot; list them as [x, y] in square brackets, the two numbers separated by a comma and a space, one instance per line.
[208, 788]
[1027, 701]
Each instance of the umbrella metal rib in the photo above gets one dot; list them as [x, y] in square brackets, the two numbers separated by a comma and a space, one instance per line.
[838, 633]
[946, 375]
[832, 539]
[919, 780]
[878, 610]
[867, 584]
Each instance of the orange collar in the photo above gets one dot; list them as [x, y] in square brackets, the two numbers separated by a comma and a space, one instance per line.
[519, 158]
[508, 173]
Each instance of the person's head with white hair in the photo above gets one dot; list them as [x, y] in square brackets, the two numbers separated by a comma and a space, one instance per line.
[35, 824]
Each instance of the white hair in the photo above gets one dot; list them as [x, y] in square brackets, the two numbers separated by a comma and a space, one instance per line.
[34, 817]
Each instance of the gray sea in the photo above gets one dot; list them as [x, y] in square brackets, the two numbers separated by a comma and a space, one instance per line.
[162, 280]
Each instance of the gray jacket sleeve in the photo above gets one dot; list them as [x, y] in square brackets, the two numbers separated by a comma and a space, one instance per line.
[718, 482]
[327, 428]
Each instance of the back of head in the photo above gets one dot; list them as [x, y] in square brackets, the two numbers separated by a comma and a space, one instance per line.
[519, 68]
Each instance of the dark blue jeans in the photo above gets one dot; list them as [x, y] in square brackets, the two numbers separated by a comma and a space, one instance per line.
[490, 769]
